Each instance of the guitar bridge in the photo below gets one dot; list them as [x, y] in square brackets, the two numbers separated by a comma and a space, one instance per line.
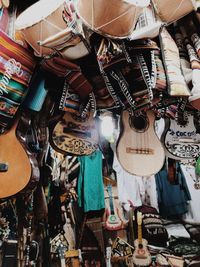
[140, 256]
[143, 151]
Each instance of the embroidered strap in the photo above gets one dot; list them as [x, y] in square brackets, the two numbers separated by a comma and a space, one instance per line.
[110, 89]
[149, 79]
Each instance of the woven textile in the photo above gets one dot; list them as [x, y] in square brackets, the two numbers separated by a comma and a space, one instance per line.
[16, 68]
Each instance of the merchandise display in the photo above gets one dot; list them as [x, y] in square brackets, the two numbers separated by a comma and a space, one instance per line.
[99, 133]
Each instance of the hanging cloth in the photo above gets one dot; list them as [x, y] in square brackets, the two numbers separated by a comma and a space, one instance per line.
[90, 182]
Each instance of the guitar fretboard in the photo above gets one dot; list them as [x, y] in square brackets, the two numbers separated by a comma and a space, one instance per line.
[109, 189]
[140, 234]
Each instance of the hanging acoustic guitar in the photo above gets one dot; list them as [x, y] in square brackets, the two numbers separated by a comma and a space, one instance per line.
[139, 149]
[75, 134]
[180, 139]
[15, 165]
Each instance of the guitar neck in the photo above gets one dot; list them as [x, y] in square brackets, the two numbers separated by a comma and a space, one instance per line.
[110, 199]
[62, 262]
[140, 234]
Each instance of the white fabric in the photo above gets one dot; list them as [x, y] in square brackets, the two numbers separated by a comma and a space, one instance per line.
[128, 187]
[177, 229]
[150, 197]
[193, 214]
[196, 85]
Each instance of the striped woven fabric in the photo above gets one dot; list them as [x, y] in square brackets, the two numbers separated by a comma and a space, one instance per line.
[4, 19]
[16, 68]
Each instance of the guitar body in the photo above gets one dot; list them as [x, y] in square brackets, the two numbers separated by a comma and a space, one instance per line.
[141, 255]
[181, 141]
[139, 146]
[113, 220]
[18, 171]
[75, 135]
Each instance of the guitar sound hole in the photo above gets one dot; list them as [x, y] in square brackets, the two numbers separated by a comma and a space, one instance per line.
[139, 123]
[140, 246]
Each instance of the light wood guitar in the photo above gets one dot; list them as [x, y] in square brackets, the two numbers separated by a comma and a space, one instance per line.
[141, 255]
[75, 134]
[139, 149]
[15, 166]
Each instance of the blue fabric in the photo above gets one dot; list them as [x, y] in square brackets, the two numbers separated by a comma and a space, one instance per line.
[172, 198]
[90, 182]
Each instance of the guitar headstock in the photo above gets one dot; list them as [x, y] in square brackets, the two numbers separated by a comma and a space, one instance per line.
[59, 244]
[109, 189]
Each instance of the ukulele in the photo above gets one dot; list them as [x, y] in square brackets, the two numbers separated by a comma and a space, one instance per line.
[181, 141]
[59, 245]
[113, 221]
[138, 144]
[15, 166]
[141, 255]
[75, 134]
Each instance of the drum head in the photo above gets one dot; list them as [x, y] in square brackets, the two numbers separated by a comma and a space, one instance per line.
[37, 12]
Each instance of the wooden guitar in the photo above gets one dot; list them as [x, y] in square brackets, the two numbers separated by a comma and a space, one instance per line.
[74, 134]
[113, 221]
[15, 166]
[141, 255]
[139, 149]
[19, 170]
[180, 139]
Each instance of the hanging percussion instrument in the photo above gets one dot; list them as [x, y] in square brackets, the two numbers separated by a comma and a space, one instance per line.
[114, 18]
[48, 32]
[171, 10]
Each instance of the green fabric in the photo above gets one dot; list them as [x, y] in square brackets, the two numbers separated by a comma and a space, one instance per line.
[90, 182]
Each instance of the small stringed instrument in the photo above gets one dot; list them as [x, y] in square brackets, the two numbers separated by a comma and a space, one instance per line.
[141, 255]
[138, 144]
[113, 221]
[15, 166]
[59, 245]
[181, 141]
[75, 134]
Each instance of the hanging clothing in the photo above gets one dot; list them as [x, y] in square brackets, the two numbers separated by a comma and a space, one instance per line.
[193, 214]
[172, 198]
[150, 194]
[90, 186]
[130, 187]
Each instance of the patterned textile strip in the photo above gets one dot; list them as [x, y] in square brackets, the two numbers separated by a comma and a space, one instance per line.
[161, 84]
[111, 90]
[16, 68]
[149, 79]
[8, 107]
[176, 83]
[15, 90]
[21, 56]
[124, 86]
